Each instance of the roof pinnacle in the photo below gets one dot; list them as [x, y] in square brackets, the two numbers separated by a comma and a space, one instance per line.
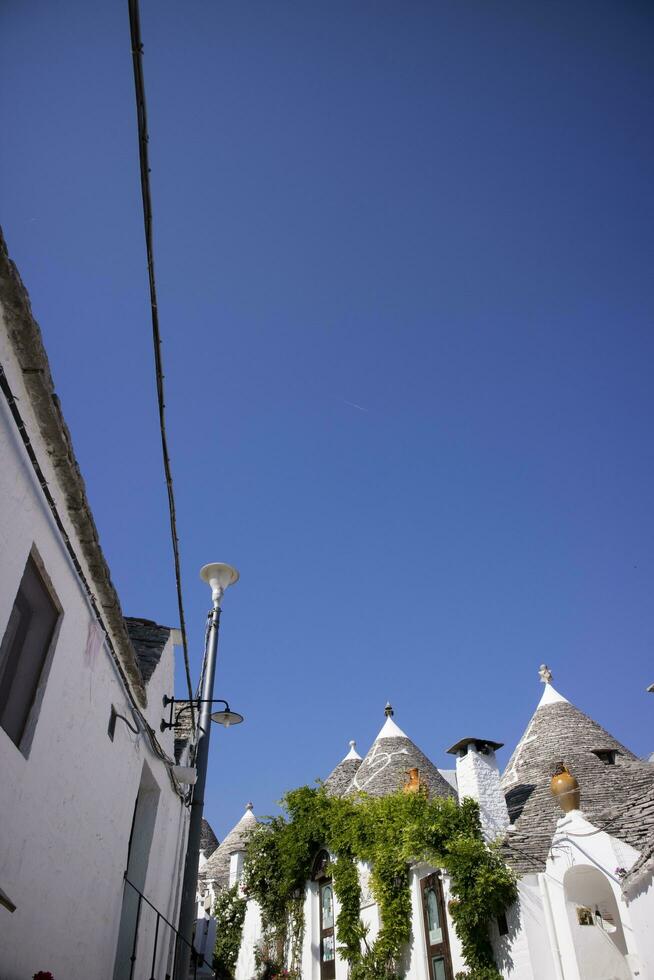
[353, 754]
[388, 710]
[545, 674]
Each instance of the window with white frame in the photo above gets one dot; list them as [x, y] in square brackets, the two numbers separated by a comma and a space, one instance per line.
[24, 650]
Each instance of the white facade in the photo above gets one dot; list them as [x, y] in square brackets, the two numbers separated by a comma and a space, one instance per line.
[68, 792]
[545, 940]
[584, 913]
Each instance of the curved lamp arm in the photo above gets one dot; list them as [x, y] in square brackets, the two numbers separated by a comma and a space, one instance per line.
[173, 701]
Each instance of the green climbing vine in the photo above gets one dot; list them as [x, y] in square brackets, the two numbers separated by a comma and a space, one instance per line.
[229, 913]
[388, 833]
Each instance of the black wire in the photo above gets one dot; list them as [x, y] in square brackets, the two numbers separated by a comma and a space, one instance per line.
[141, 115]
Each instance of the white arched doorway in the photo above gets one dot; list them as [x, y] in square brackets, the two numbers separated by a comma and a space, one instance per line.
[595, 924]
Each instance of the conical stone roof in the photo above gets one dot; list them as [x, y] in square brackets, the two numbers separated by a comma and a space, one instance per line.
[560, 733]
[208, 840]
[384, 768]
[217, 867]
[340, 778]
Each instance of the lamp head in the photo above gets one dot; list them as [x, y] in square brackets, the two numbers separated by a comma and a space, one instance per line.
[219, 576]
[227, 717]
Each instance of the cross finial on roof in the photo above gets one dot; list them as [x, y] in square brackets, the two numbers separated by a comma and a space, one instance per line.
[388, 711]
[545, 674]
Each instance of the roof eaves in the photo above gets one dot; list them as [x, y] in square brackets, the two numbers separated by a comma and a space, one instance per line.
[27, 343]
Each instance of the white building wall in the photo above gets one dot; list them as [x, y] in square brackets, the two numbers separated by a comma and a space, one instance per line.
[456, 952]
[66, 809]
[524, 953]
[369, 911]
[640, 909]
[578, 844]
[246, 967]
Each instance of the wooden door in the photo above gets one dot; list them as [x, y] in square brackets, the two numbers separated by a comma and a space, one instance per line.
[327, 936]
[436, 938]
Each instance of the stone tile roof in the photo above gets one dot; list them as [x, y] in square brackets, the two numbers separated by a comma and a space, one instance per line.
[208, 840]
[643, 868]
[148, 640]
[216, 869]
[342, 775]
[620, 796]
[384, 768]
[26, 342]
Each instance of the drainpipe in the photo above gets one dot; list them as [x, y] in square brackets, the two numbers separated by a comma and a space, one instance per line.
[551, 928]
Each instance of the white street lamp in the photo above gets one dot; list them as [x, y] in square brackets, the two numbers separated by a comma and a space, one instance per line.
[219, 577]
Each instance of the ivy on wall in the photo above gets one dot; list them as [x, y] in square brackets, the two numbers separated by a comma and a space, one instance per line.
[229, 913]
[389, 833]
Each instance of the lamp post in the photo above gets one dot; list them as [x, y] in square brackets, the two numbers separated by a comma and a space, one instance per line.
[219, 577]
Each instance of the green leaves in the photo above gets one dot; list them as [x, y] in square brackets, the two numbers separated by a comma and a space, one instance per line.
[229, 912]
[389, 833]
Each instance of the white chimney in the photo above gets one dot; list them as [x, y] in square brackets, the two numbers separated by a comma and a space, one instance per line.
[236, 860]
[478, 777]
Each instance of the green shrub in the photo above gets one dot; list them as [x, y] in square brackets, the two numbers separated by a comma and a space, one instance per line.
[389, 833]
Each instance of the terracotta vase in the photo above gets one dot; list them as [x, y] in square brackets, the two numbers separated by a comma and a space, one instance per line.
[566, 790]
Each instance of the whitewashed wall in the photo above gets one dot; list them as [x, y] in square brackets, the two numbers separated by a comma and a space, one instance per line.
[525, 952]
[578, 844]
[246, 965]
[66, 809]
[640, 911]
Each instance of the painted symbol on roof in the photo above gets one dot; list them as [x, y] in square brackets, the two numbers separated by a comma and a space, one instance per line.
[379, 760]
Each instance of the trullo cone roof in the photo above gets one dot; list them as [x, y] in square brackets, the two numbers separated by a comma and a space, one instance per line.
[384, 768]
[340, 778]
[560, 732]
[217, 867]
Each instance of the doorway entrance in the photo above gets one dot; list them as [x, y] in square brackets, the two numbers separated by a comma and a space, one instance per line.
[138, 854]
[326, 903]
[436, 938]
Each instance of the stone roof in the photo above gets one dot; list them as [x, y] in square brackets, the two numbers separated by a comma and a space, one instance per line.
[148, 640]
[217, 867]
[384, 768]
[340, 778]
[641, 870]
[619, 797]
[208, 840]
[24, 336]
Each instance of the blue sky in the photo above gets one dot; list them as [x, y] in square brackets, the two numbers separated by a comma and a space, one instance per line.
[404, 256]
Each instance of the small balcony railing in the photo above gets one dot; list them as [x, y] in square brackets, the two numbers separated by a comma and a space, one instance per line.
[163, 934]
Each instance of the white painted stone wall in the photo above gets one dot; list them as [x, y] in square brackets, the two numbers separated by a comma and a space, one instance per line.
[640, 907]
[525, 952]
[578, 844]
[66, 809]
[252, 931]
[415, 961]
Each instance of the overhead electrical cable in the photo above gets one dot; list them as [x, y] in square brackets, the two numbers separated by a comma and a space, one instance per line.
[141, 115]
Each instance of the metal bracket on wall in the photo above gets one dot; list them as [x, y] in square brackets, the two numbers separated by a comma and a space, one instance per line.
[111, 729]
